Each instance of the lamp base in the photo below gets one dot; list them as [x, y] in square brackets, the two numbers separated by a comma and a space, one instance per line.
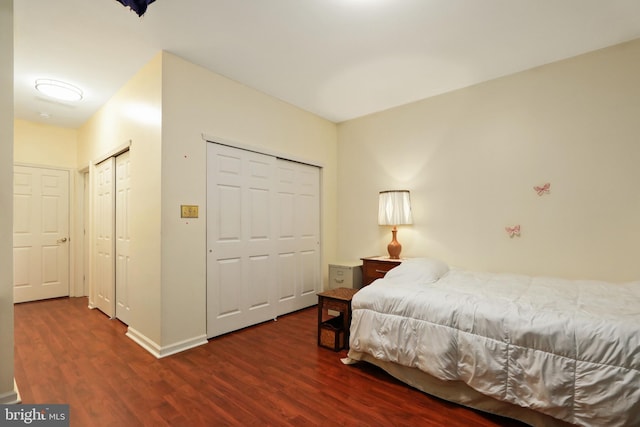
[394, 247]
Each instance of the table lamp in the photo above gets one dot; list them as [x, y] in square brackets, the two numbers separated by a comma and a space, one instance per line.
[394, 208]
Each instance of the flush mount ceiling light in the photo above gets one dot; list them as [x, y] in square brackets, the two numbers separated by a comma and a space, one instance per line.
[58, 90]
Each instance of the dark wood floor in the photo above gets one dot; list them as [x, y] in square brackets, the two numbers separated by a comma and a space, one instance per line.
[269, 374]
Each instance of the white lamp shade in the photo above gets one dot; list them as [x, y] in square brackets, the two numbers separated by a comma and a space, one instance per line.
[394, 208]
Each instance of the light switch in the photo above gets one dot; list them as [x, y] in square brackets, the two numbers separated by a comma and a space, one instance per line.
[189, 211]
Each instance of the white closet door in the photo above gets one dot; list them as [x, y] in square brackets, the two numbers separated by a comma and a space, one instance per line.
[298, 235]
[40, 233]
[104, 202]
[123, 236]
[241, 246]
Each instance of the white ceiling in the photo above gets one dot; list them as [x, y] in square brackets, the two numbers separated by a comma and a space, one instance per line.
[340, 59]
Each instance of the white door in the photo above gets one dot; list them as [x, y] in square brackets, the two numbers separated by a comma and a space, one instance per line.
[40, 233]
[241, 249]
[103, 279]
[123, 237]
[298, 235]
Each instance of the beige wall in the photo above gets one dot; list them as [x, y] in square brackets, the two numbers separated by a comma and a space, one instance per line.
[45, 145]
[472, 157]
[51, 146]
[134, 114]
[7, 392]
[164, 110]
[196, 102]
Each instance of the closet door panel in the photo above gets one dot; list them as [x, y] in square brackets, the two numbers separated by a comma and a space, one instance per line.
[103, 277]
[298, 235]
[123, 236]
[240, 239]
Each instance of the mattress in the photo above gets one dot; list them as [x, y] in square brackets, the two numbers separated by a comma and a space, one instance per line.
[568, 349]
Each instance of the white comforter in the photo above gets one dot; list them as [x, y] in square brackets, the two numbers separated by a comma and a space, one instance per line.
[570, 349]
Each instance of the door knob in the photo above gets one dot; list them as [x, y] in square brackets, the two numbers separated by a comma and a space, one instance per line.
[64, 239]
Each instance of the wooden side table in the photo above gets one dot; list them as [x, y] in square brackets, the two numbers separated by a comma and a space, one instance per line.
[376, 267]
[333, 331]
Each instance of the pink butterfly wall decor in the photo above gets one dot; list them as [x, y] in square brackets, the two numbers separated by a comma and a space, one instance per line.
[513, 231]
[543, 190]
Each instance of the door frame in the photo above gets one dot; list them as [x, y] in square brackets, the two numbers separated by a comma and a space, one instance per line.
[81, 230]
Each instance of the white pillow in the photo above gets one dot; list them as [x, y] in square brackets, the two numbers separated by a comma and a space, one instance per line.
[418, 270]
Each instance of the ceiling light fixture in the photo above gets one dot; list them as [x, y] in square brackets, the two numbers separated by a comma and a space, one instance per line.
[58, 90]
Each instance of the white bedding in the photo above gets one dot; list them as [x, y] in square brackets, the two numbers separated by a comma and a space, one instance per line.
[570, 349]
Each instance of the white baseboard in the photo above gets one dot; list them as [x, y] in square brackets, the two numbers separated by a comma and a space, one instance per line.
[159, 351]
[12, 397]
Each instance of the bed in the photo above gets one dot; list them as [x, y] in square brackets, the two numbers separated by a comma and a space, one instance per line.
[545, 351]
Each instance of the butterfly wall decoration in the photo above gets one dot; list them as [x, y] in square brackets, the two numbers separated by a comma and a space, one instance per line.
[542, 190]
[513, 231]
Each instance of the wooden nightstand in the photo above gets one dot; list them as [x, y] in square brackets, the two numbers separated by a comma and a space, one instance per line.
[376, 267]
[333, 331]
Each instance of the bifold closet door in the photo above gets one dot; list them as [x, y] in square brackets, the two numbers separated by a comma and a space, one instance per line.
[122, 236]
[103, 279]
[241, 246]
[263, 237]
[110, 280]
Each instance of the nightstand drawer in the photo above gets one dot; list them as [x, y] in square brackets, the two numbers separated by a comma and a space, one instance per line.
[376, 268]
[336, 305]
